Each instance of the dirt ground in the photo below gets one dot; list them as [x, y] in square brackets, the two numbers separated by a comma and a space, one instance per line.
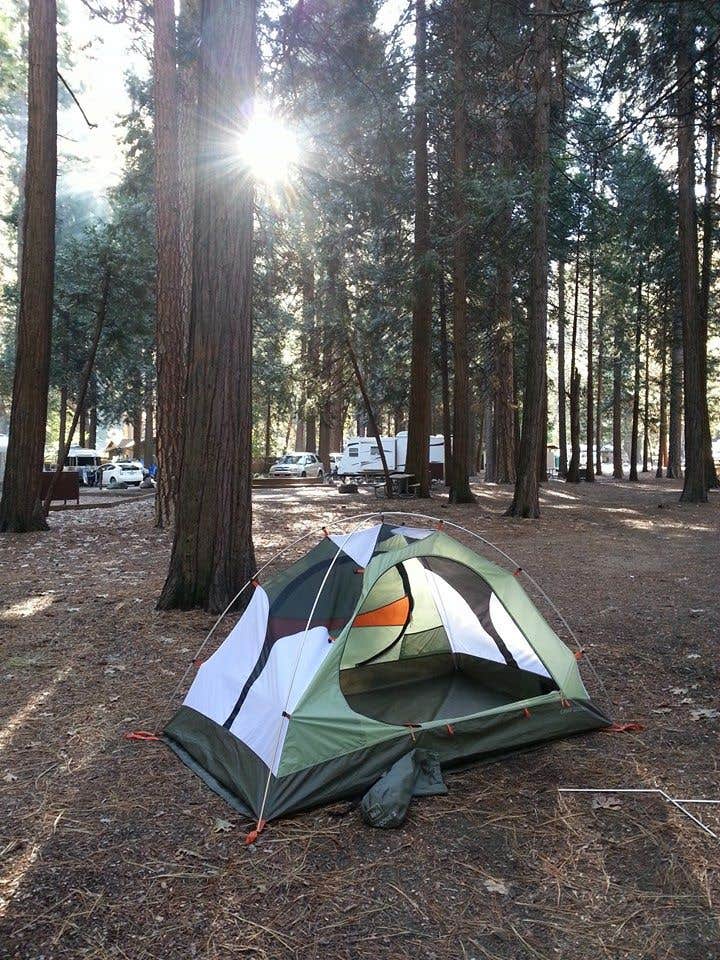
[113, 849]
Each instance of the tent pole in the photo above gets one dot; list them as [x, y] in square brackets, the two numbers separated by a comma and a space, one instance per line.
[396, 513]
[295, 669]
[242, 589]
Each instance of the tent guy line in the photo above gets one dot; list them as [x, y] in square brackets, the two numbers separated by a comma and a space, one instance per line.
[649, 790]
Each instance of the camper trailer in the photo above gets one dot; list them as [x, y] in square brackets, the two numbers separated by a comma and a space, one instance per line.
[361, 455]
[83, 461]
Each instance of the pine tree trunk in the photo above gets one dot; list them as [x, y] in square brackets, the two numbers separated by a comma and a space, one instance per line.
[63, 421]
[137, 419]
[169, 320]
[459, 481]
[488, 442]
[504, 430]
[695, 486]
[85, 375]
[20, 507]
[444, 373]
[212, 555]
[646, 400]
[590, 397]
[149, 442]
[268, 429]
[562, 397]
[92, 419]
[372, 421]
[675, 430]
[573, 472]
[599, 392]
[542, 458]
[526, 502]
[636, 384]
[187, 80]
[420, 370]
[312, 363]
[706, 273]
[662, 416]
[617, 399]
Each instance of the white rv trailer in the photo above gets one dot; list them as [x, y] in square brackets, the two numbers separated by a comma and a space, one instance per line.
[361, 455]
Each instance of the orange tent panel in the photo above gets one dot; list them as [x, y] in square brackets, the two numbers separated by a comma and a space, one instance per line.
[393, 614]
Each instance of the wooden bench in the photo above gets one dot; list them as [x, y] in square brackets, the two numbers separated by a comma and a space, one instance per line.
[67, 486]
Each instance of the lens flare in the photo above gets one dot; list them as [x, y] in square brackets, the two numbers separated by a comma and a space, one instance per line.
[268, 147]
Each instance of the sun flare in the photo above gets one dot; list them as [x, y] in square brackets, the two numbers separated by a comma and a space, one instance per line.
[268, 147]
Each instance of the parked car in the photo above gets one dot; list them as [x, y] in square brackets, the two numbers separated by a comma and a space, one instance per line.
[126, 473]
[298, 465]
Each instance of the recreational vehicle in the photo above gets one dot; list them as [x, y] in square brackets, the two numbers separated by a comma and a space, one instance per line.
[361, 455]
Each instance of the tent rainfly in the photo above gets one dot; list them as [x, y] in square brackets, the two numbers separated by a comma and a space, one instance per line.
[372, 644]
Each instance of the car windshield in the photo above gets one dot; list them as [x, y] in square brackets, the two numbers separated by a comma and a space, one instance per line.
[290, 458]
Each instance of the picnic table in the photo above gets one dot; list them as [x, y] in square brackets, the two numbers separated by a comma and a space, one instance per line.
[401, 483]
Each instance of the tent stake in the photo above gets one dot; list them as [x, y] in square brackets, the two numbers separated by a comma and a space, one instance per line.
[656, 790]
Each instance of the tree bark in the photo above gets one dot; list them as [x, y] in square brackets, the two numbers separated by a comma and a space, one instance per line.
[488, 442]
[599, 392]
[310, 335]
[573, 472]
[646, 400]
[169, 320]
[149, 441]
[420, 369]
[526, 501]
[459, 480]
[92, 414]
[617, 398]
[562, 398]
[64, 362]
[636, 384]
[20, 507]
[187, 85]
[445, 374]
[212, 555]
[63, 420]
[503, 386]
[675, 431]
[662, 416]
[695, 486]
[706, 272]
[590, 397]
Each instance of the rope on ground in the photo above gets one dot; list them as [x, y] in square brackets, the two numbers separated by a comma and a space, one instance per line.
[141, 735]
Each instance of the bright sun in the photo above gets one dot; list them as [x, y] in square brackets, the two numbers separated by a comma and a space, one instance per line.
[268, 147]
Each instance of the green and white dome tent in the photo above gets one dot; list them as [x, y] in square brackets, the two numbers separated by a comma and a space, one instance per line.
[373, 643]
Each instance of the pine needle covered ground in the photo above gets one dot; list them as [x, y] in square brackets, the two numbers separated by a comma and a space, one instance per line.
[110, 848]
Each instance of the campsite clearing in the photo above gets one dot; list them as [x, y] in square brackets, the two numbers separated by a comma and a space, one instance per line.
[110, 848]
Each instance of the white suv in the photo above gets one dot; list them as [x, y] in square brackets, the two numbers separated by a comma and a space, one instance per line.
[298, 465]
[127, 473]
